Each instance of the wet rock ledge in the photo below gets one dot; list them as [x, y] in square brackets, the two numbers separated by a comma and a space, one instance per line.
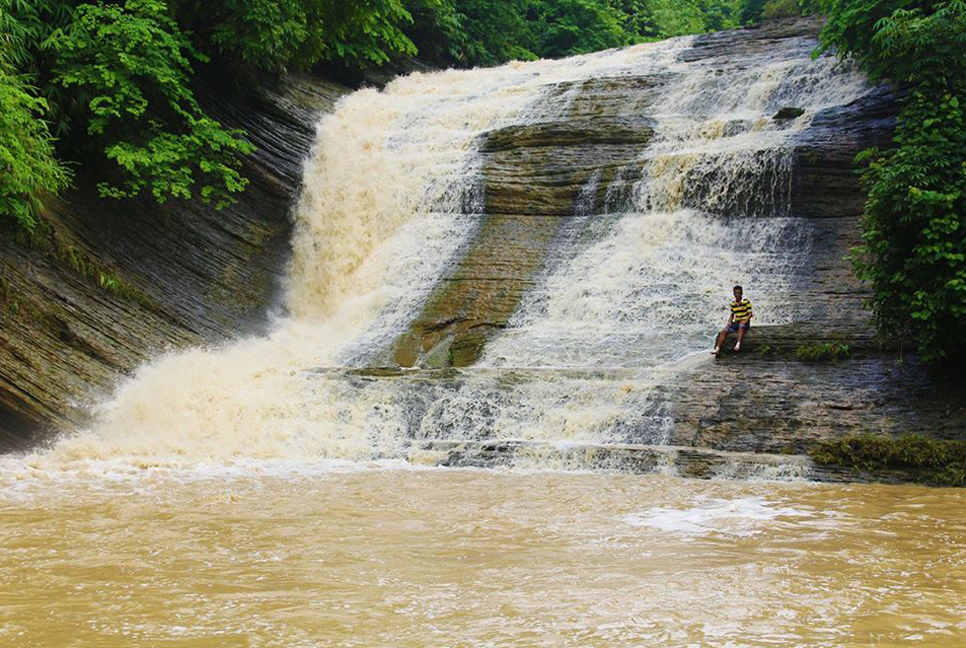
[541, 181]
[115, 282]
[794, 385]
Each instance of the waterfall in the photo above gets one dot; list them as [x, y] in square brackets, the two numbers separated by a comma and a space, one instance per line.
[630, 290]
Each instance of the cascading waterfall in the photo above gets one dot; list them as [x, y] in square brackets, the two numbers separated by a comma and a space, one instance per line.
[585, 220]
[392, 194]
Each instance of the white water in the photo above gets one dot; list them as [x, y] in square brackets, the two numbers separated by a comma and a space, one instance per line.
[391, 196]
[738, 517]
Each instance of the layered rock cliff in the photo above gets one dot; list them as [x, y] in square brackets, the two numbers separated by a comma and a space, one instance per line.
[541, 181]
[601, 175]
[113, 283]
[549, 182]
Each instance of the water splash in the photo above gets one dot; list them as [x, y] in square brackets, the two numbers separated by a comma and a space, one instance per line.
[741, 517]
[392, 195]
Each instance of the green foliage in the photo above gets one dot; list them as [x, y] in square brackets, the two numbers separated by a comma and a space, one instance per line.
[131, 66]
[28, 167]
[275, 35]
[941, 463]
[914, 225]
[29, 28]
[473, 32]
[488, 32]
[852, 26]
[565, 27]
[753, 11]
[26, 27]
[781, 9]
[822, 352]
[695, 16]
[638, 17]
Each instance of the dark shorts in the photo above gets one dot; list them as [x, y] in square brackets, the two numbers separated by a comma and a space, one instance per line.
[736, 325]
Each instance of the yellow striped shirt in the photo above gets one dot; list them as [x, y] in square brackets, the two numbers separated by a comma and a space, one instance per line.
[741, 312]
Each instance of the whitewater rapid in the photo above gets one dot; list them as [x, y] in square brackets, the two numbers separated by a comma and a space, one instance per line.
[392, 196]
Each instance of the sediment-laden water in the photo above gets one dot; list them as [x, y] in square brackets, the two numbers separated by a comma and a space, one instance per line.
[271, 492]
[419, 558]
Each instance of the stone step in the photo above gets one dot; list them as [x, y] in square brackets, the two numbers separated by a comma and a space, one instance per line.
[681, 461]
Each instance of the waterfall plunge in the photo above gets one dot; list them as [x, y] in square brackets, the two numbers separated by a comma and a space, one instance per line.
[391, 196]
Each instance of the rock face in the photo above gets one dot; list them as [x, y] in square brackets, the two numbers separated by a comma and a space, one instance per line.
[548, 186]
[768, 399]
[541, 180]
[116, 282]
[533, 176]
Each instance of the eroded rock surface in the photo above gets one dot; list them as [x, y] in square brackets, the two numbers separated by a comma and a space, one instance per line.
[542, 179]
[583, 156]
[533, 176]
[767, 399]
[120, 281]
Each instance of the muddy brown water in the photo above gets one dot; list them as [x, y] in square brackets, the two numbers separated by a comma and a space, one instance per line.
[151, 556]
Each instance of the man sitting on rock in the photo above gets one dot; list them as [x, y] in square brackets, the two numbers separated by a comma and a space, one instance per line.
[739, 320]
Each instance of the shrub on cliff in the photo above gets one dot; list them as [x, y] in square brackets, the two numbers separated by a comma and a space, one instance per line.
[914, 225]
[129, 67]
[28, 166]
[931, 461]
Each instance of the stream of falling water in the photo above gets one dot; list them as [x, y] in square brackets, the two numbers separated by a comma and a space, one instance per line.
[255, 494]
[392, 195]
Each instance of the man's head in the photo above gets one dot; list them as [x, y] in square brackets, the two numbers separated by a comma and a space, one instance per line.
[738, 293]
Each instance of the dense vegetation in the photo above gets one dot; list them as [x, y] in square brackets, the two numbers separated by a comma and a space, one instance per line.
[914, 226]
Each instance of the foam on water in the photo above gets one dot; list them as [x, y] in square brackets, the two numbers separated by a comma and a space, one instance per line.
[392, 195]
[651, 290]
[737, 517]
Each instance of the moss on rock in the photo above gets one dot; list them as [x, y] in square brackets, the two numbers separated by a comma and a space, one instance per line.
[928, 461]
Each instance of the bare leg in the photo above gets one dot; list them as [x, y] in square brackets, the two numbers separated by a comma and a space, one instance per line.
[741, 336]
[721, 338]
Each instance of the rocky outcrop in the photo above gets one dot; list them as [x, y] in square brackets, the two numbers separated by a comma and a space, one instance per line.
[113, 283]
[680, 461]
[773, 398]
[741, 415]
[825, 183]
[540, 180]
[533, 176]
